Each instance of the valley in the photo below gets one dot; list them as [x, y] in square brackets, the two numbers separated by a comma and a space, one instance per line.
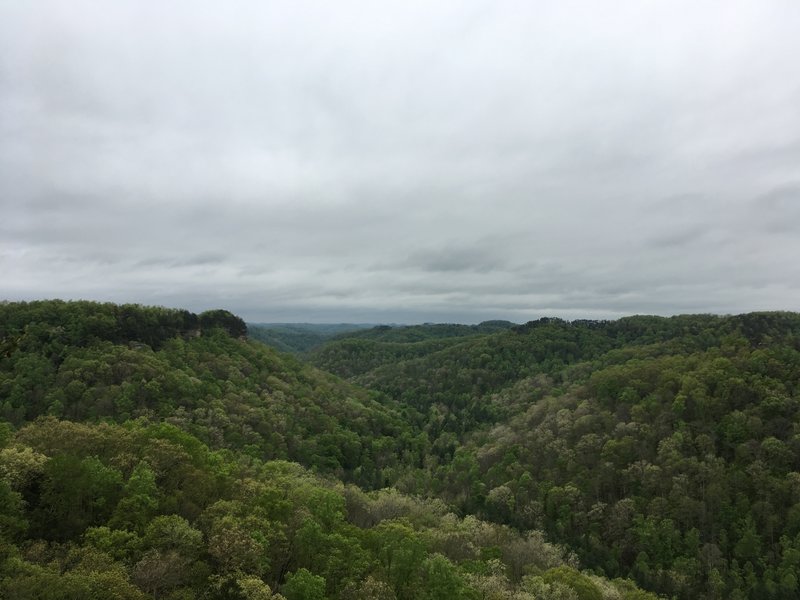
[148, 452]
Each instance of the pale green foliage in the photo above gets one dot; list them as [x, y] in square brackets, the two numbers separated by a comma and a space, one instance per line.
[173, 532]
[369, 589]
[254, 588]
[159, 571]
[541, 590]
[494, 585]
[20, 464]
[234, 547]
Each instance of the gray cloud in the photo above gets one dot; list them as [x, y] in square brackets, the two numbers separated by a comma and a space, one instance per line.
[402, 162]
[778, 210]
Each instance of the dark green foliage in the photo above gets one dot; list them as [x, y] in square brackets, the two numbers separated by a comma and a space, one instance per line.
[222, 319]
[75, 493]
[12, 517]
[50, 326]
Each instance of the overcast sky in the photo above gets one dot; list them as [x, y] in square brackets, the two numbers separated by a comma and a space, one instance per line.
[402, 161]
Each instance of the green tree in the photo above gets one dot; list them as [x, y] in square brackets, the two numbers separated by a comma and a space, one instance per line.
[569, 577]
[139, 501]
[76, 493]
[303, 585]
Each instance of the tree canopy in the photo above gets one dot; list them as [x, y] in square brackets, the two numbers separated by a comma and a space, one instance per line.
[148, 452]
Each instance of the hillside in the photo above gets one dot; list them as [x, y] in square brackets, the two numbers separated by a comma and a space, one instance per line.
[448, 378]
[84, 361]
[143, 454]
[666, 450]
[360, 352]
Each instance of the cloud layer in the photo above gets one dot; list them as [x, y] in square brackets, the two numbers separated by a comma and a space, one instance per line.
[413, 161]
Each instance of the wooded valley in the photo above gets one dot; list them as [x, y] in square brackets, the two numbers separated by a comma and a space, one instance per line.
[148, 452]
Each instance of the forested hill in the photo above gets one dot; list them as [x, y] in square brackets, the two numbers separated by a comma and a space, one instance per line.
[662, 449]
[143, 454]
[85, 361]
[427, 331]
[358, 352]
[455, 373]
[299, 338]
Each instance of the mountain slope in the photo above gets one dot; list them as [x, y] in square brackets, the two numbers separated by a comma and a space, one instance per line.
[663, 449]
[676, 463]
[448, 376]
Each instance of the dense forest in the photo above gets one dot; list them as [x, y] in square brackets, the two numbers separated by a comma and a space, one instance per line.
[153, 453]
[666, 450]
